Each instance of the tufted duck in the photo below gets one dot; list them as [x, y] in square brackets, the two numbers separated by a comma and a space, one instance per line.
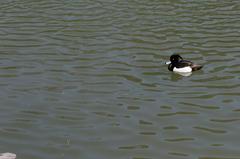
[177, 64]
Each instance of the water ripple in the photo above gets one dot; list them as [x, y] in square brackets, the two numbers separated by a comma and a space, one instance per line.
[176, 113]
[215, 131]
[182, 139]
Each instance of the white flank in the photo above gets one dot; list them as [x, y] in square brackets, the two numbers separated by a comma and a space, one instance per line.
[184, 73]
[183, 70]
[7, 155]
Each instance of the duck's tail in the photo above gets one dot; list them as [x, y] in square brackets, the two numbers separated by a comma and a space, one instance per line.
[196, 67]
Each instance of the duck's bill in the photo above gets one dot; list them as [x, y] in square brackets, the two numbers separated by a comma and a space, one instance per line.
[168, 62]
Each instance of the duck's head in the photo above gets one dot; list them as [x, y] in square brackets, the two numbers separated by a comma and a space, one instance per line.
[174, 59]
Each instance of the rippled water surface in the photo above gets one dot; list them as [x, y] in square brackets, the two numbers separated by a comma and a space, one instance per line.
[86, 79]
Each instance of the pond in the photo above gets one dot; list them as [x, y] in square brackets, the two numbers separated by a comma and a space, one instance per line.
[87, 79]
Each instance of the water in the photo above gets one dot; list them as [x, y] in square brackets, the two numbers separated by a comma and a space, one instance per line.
[87, 79]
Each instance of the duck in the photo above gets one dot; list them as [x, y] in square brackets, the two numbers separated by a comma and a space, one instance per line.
[179, 65]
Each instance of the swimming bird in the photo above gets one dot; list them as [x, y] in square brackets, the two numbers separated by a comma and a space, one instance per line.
[179, 65]
[7, 155]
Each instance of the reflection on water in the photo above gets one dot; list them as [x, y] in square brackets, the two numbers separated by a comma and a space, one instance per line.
[88, 79]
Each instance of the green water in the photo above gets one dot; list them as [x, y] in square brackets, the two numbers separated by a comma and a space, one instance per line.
[87, 80]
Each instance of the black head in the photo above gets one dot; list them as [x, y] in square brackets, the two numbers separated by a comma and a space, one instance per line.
[175, 58]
